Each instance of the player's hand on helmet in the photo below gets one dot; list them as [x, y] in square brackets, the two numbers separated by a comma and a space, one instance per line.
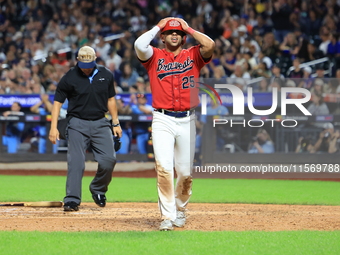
[184, 24]
[163, 22]
[53, 135]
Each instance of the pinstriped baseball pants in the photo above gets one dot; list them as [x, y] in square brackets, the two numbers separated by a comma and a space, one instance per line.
[174, 147]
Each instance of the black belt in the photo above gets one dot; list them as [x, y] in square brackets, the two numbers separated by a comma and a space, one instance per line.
[94, 119]
[176, 114]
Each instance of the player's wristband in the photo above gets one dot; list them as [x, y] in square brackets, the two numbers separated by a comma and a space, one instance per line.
[190, 30]
[116, 125]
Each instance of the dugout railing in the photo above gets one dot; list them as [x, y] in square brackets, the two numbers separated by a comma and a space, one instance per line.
[285, 140]
[238, 136]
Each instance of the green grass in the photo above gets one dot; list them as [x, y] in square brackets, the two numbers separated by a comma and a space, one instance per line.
[42, 188]
[39, 188]
[178, 242]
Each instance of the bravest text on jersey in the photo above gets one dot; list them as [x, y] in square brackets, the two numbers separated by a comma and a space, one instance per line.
[175, 67]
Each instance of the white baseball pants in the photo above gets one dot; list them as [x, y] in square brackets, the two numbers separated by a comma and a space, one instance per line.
[174, 146]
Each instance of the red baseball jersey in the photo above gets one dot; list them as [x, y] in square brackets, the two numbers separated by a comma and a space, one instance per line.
[172, 78]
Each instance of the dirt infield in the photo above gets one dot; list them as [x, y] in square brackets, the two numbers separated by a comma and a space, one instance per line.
[145, 217]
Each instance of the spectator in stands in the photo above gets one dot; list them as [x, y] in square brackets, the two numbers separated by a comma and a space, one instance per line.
[335, 88]
[304, 146]
[325, 36]
[36, 71]
[205, 72]
[261, 143]
[280, 16]
[263, 86]
[318, 106]
[10, 82]
[240, 60]
[43, 108]
[303, 41]
[249, 44]
[29, 33]
[137, 20]
[290, 45]
[198, 142]
[124, 109]
[276, 73]
[307, 80]
[13, 129]
[250, 60]
[296, 26]
[25, 78]
[113, 58]
[215, 59]
[116, 75]
[312, 24]
[240, 83]
[228, 61]
[51, 88]
[261, 28]
[214, 108]
[128, 77]
[333, 48]
[219, 76]
[318, 86]
[313, 52]
[276, 83]
[141, 129]
[133, 90]
[242, 33]
[292, 84]
[211, 25]
[332, 11]
[203, 8]
[297, 73]
[240, 72]
[320, 71]
[261, 71]
[102, 48]
[252, 16]
[130, 58]
[141, 86]
[227, 24]
[328, 141]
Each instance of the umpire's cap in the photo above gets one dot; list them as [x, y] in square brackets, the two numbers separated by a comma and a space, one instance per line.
[173, 25]
[86, 57]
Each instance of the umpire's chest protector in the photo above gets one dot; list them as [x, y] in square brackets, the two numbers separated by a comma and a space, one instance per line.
[172, 78]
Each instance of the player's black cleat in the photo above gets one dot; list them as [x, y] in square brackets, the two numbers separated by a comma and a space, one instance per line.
[100, 200]
[71, 206]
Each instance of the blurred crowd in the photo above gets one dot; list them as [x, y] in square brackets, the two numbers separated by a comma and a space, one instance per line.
[39, 41]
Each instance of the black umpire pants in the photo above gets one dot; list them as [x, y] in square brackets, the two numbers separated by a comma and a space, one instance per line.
[81, 134]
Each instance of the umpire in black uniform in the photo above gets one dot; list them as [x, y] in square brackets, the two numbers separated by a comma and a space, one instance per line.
[90, 91]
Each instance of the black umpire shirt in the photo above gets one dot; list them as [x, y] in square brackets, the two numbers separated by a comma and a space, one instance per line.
[87, 95]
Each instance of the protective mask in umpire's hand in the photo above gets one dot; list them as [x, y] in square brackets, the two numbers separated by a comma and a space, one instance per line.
[117, 142]
[62, 127]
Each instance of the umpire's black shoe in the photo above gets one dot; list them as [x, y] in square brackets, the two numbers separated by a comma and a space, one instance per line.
[71, 206]
[100, 200]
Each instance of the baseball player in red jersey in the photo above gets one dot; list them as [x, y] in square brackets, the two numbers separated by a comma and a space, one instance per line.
[172, 72]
